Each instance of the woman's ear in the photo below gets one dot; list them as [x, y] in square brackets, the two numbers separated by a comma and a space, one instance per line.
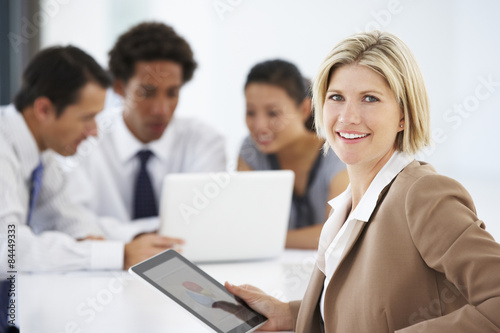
[401, 124]
[306, 108]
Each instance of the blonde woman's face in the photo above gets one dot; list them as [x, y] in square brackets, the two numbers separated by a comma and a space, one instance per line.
[361, 116]
[273, 118]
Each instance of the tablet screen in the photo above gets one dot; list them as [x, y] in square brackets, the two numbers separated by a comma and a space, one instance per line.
[197, 292]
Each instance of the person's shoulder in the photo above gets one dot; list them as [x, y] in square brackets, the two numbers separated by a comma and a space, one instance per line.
[330, 156]
[8, 116]
[108, 123]
[191, 126]
[4, 109]
[188, 123]
[432, 199]
[419, 171]
[248, 143]
[422, 176]
[55, 164]
[7, 151]
[331, 164]
[10, 162]
[252, 156]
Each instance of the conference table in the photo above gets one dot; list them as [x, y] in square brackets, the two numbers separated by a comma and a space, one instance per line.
[116, 301]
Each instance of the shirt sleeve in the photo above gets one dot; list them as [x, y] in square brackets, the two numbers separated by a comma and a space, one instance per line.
[58, 206]
[55, 251]
[117, 230]
[48, 250]
[452, 240]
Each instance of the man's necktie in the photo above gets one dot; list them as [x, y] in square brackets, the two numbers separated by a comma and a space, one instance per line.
[36, 185]
[144, 197]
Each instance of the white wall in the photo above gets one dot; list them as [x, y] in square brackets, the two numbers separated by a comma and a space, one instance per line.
[455, 42]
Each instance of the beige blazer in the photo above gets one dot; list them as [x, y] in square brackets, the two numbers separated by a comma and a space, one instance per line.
[422, 263]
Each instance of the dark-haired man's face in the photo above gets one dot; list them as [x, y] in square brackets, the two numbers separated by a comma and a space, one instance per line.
[64, 134]
[150, 98]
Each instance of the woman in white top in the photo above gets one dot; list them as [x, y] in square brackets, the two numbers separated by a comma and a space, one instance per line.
[403, 250]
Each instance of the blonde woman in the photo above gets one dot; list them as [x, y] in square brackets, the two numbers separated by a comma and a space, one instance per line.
[403, 250]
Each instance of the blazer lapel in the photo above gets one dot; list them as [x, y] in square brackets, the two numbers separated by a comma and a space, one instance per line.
[358, 229]
[353, 238]
[309, 316]
[356, 232]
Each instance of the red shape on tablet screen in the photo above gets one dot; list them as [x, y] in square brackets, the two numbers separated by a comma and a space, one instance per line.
[192, 286]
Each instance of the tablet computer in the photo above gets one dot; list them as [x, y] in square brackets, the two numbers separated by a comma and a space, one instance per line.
[198, 293]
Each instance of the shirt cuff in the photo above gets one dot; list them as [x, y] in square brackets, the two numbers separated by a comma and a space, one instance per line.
[140, 226]
[126, 231]
[106, 255]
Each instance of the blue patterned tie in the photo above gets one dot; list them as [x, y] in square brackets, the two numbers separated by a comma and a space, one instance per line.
[36, 185]
[144, 197]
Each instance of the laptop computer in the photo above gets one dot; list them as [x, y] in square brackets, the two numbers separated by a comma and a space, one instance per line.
[227, 216]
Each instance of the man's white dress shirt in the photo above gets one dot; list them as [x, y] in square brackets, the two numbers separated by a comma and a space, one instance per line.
[337, 229]
[48, 244]
[106, 167]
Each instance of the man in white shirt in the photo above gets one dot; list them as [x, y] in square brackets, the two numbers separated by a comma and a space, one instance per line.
[41, 227]
[142, 139]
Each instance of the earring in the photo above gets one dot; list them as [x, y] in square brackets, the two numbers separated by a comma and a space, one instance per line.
[401, 126]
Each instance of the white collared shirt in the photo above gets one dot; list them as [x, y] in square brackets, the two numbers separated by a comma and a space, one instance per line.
[337, 229]
[106, 167]
[60, 219]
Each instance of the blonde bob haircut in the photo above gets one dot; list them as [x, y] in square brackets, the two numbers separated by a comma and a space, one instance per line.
[388, 56]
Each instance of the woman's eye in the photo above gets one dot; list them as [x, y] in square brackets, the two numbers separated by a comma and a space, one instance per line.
[250, 113]
[273, 113]
[336, 97]
[370, 99]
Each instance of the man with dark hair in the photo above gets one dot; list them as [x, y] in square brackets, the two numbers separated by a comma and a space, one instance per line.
[63, 90]
[124, 171]
[70, 69]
